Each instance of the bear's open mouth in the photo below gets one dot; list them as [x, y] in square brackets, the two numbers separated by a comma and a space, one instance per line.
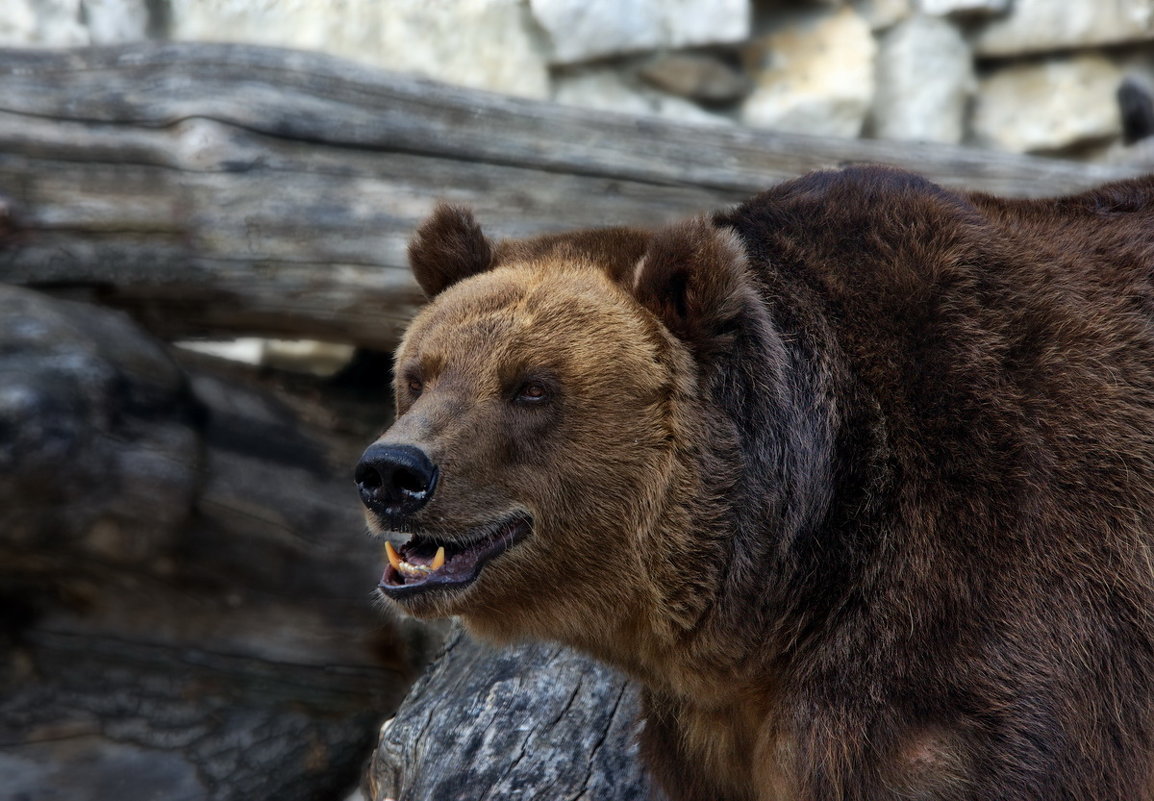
[425, 563]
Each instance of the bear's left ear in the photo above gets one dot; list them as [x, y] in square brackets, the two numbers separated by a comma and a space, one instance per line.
[448, 247]
[694, 278]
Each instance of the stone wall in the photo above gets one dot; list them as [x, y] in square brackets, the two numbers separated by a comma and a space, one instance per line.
[1038, 76]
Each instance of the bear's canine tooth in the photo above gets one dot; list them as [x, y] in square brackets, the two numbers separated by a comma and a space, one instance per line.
[394, 557]
[439, 559]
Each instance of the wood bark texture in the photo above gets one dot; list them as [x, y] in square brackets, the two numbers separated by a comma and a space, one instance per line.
[517, 724]
[216, 189]
[184, 579]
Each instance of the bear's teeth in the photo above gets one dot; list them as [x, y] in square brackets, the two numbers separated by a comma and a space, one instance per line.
[413, 570]
[408, 568]
[393, 556]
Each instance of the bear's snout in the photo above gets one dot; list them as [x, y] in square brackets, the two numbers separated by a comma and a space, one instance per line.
[395, 480]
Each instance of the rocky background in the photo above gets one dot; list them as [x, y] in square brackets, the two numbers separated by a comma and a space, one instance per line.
[1037, 76]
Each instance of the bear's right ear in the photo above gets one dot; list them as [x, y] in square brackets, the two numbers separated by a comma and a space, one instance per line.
[448, 247]
[694, 278]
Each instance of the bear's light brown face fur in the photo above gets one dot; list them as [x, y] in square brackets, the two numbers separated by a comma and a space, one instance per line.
[552, 393]
[547, 402]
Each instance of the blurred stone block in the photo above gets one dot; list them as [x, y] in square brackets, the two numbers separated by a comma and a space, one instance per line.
[1050, 105]
[581, 30]
[1041, 25]
[116, 21]
[72, 23]
[814, 74]
[925, 78]
[481, 44]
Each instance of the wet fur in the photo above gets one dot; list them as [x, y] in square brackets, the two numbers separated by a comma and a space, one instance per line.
[872, 478]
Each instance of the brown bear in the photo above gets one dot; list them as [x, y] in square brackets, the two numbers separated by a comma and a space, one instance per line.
[856, 479]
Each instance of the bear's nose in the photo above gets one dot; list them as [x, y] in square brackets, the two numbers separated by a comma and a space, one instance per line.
[395, 479]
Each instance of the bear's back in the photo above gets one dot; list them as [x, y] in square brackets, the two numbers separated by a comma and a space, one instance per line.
[985, 328]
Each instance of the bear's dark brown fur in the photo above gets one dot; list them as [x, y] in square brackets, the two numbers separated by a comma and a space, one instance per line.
[856, 479]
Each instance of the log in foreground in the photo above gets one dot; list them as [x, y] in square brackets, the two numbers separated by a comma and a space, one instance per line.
[528, 722]
[184, 579]
[238, 189]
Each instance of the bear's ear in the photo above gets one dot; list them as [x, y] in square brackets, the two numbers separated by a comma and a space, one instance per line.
[693, 277]
[447, 247]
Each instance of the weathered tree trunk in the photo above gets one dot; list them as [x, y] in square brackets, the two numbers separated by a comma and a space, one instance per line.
[184, 579]
[222, 188]
[530, 722]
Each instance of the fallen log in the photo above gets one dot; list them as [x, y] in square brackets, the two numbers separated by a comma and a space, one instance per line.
[526, 722]
[226, 189]
[184, 578]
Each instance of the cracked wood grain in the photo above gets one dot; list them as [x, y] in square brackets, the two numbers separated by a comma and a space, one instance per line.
[526, 722]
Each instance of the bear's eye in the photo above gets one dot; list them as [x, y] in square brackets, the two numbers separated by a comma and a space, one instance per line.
[415, 386]
[532, 392]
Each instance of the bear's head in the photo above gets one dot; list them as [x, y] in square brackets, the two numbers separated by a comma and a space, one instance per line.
[544, 473]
